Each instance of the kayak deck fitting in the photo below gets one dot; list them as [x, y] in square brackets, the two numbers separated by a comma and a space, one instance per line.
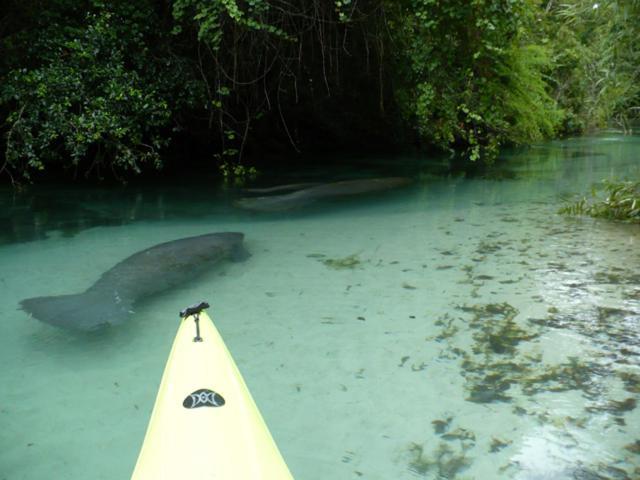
[205, 424]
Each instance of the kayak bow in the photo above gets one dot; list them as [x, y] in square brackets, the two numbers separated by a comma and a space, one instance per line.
[205, 423]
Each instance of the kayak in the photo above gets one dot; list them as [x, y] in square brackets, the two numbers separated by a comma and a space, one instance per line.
[205, 423]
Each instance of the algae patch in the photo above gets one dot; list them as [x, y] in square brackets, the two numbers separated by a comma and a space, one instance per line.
[444, 462]
[498, 444]
[633, 447]
[348, 262]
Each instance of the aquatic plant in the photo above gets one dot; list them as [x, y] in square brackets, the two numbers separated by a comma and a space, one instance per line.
[498, 332]
[491, 368]
[601, 471]
[631, 381]
[633, 447]
[441, 426]
[498, 444]
[461, 434]
[572, 375]
[350, 261]
[419, 463]
[496, 369]
[485, 248]
[449, 329]
[489, 310]
[604, 323]
[419, 367]
[501, 337]
[488, 375]
[489, 388]
[620, 277]
[613, 200]
[616, 407]
[445, 462]
[484, 277]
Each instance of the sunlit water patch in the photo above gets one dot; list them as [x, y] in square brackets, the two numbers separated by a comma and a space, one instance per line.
[456, 329]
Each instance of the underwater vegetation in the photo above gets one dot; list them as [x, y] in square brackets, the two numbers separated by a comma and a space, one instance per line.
[575, 374]
[493, 364]
[460, 434]
[615, 329]
[620, 277]
[633, 447]
[497, 332]
[615, 406]
[613, 200]
[350, 261]
[444, 462]
[498, 444]
[485, 248]
[631, 381]
[499, 366]
[515, 368]
[449, 329]
[441, 426]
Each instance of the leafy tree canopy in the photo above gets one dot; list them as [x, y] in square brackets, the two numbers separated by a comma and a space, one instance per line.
[91, 86]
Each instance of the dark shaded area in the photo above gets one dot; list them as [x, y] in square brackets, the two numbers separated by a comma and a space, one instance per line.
[37, 213]
[113, 90]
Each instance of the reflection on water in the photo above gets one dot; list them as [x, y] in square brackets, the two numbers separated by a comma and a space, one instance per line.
[37, 212]
[455, 329]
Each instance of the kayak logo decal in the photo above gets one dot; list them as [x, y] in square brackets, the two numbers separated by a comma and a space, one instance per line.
[203, 398]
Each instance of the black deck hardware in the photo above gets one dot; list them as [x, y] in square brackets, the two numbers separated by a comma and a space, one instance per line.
[203, 398]
[195, 310]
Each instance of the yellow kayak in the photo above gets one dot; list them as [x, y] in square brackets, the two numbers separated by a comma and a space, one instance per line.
[205, 423]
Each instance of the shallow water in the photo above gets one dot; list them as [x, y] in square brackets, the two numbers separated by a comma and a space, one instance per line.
[456, 329]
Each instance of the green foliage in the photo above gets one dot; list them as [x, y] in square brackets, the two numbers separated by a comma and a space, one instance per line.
[596, 57]
[90, 91]
[236, 174]
[89, 84]
[473, 82]
[530, 113]
[212, 16]
[613, 201]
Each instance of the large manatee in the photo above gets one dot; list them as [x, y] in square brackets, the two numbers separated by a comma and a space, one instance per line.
[300, 198]
[111, 299]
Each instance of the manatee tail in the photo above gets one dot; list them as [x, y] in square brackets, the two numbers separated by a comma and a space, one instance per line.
[82, 311]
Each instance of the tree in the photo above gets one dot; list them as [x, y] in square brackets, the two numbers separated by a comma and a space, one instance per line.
[472, 77]
[82, 87]
[596, 58]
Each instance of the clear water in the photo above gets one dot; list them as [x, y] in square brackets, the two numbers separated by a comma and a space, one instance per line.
[472, 332]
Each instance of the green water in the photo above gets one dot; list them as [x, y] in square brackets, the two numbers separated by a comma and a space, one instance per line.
[472, 332]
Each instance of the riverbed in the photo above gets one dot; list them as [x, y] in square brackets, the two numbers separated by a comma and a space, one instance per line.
[456, 328]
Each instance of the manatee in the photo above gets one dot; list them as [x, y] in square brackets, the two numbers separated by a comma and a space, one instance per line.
[110, 301]
[282, 188]
[306, 196]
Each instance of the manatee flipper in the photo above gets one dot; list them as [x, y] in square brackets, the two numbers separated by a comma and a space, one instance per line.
[83, 311]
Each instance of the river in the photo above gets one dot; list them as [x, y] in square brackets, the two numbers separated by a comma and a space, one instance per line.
[453, 329]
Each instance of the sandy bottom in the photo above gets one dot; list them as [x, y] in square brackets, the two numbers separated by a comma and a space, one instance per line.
[456, 330]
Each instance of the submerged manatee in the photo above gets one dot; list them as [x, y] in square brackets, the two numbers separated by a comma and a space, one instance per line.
[300, 198]
[282, 188]
[111, 299]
